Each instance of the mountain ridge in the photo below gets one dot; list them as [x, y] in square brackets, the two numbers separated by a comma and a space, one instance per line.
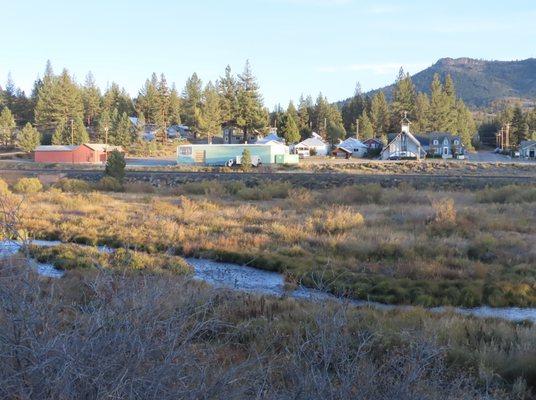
[479, 83]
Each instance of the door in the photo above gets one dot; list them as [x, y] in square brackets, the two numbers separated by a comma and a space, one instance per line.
[199, 156]
[445, 151]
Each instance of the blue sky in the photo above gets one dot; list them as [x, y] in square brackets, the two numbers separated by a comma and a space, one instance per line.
[294, 46]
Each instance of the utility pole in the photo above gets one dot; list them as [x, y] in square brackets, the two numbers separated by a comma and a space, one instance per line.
[72, 132]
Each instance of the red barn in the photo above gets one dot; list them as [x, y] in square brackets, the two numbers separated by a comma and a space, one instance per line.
[93, 153]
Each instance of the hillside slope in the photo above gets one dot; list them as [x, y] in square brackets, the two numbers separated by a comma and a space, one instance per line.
[480, 82]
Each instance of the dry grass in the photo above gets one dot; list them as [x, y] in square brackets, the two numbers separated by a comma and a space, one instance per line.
[99, 334]
[391, 245]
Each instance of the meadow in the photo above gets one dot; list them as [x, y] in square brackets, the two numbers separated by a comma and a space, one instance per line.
[392, 245]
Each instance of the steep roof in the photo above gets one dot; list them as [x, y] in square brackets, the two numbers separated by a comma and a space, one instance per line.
[351, 143]
[272, 137]
[527, 143]
[314, 141]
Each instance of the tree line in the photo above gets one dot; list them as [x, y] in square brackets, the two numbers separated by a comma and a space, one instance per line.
[61, 111]
[521, 124]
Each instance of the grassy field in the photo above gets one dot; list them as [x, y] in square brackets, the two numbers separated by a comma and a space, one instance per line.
[396, 245]
[104, 334]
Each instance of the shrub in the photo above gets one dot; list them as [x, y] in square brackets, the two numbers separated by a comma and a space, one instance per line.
[73, 185]
[246, 160]
[508, 194]
[109, 184]
[336, 220]
[115, 165]
[444, 211]
[28, 185]
[355, 194]
[265, 191]
[4, 188]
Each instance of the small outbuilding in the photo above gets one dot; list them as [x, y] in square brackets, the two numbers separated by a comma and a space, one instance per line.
[350, 147]
[88, 153]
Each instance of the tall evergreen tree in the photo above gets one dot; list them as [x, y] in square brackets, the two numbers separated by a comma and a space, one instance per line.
[379, 114]
[304, 116]
[211, 114]
[251, 114]
[91, 97]
[192, 98]
[7, 126]
[147, 101]
[104, 126]
[29, 138]
[366, 129]
[404, 96]
[353, 108]
[71, 131]
[174, 105]
[227, 87]
[465, 124]
[59, 100]
[289, 128]
[123, 131]
[421, 122]
[439, 106]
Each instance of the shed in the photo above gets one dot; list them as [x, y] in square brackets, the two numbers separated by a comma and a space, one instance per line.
[92, 153]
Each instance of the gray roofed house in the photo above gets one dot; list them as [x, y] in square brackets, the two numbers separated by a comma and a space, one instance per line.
[527, 149]
[445, 144]
[404, 145]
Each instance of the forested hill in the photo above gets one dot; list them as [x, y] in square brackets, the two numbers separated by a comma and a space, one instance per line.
[480, 82]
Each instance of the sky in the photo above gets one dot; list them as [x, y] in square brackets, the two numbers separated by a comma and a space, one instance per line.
[294, 46]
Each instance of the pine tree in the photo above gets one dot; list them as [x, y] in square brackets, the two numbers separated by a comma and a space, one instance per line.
[29, 138]
[59, 99]
[163, 115]
[353, 108]
[211, 114]
[251, 114]
[117, 98]
[192, 97]
[174, 106]
[7, 125]
[91, 98]
[289, 128]
[519, 127]
[366, 130]
[304, 116]
[465, 124]
[379, 114]
[404, 97]
[115, 166]
[439, 106]
[70, 131]
[335, 131]
[421, 123]
[228, 90]
[147, 101]
[140, 125]
[104, 126]
[123, 132]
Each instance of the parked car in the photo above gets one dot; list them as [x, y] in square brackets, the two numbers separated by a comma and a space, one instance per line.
[255, 161]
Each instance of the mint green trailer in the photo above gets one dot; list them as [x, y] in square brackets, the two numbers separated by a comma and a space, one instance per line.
[220, 154]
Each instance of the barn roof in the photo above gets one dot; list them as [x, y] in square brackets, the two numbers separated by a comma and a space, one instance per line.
[103, 147]
[55, 148]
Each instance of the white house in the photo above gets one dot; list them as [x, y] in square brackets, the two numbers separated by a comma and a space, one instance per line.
[404, 145]
[351, 147]
[314, 145]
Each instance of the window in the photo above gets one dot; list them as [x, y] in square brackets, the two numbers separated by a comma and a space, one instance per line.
[436, 142]
[185, 151]
[456, 142]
